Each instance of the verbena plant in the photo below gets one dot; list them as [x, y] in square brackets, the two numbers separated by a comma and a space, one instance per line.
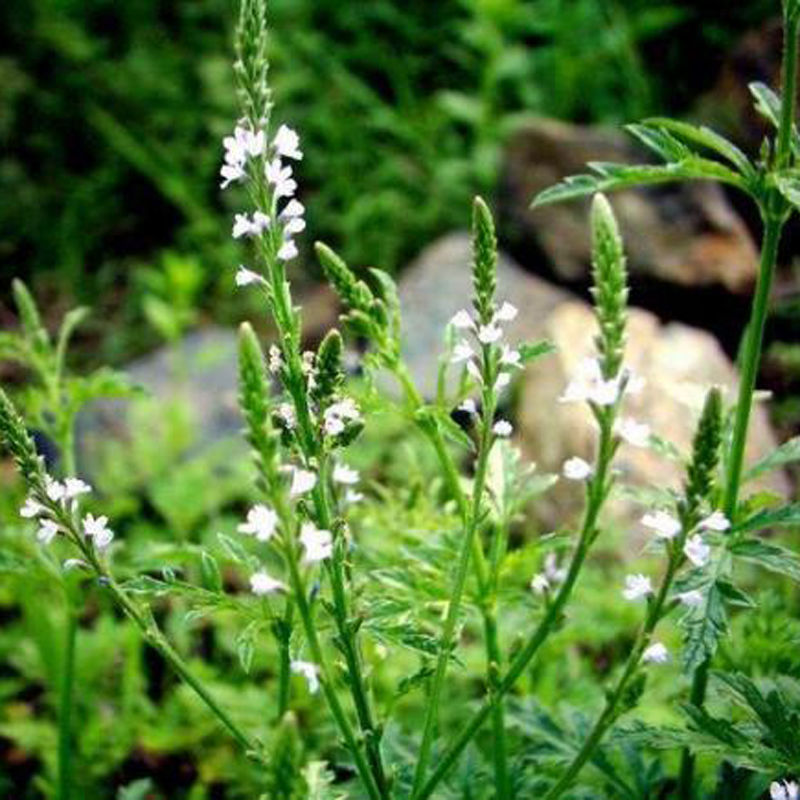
[313, 588]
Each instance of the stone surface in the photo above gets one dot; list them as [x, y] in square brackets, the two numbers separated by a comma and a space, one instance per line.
[683, 234]
[439, 283]
[679, 363]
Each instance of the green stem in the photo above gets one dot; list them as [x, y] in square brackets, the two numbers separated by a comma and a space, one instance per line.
[493, 667]
[285, 659]
[65, 705]
[454, 606]
[773, 213]
[597, 493]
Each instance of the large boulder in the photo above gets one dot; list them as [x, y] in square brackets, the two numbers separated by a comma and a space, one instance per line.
[687, 234]
[439, 283]
[679, 365]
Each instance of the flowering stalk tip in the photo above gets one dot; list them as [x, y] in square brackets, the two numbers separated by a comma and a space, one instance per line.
[484, 253]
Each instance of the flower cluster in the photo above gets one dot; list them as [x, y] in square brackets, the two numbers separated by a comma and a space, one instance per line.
[64, 496]
[784, 790]
[493, 361]
[550, 576]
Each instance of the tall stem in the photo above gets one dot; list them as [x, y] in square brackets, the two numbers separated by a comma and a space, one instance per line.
[65, 704]
[285, 659]
[596, 496]
[773, 214]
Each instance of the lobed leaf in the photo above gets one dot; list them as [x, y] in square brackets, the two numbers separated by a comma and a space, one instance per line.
[772, 557]
[787, 453]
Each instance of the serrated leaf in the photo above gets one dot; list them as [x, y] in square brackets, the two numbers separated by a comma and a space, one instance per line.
[772, 557]
[233, 549]
[530, 351]
[212, 578]
[788, 184]
[787, 453]
[770, 518]
[703, 627]
[768, 104]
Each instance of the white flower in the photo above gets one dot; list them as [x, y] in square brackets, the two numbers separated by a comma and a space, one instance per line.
[74, 563]
[697, 551]
[502, 428]
[462, 319]
[692, 599]
[262, 583]
[588, 384]
[309, 671]
[32, 508]
[474, 371]
[54, 490]
[74, 487]
[469, 406]
[351, 497]
[244, 276]
[285, 413]
[261, 523]
[576, 469]
[336, 415]
[281, 178]
[287, 143]
[635, 384]
[489, 334]
[511, 358]
[505, 313]
[288, 250]
[461, 352]
[604, 393]
[664, 524]
[786, 790]
[275, 362]
[245, 226]
[96, 528]
[230, 174]
[345, 475]
[637, 586]
[302, 481]
[293, 226]
[633, 432]
[503, 379]
[656, 654]
[715, 522]
[539, 584]
[552, 571]
[318, 543]
[293, 209]
[47, 531]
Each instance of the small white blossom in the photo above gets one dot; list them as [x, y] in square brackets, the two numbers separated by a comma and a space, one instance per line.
[261, 583]
[461, 352]
[503, 380]
[293, 209]
[345, 475]
[474, 371]
[96, 528]
[604, 393]
[230, 174]
[281, 178]
[489, 334]
[309, 671]
[303, 481]
[293, 226]
[715, 522]
[469, 406]
[505, 313]
[589, 385]
[462, 319]
[576, 469]
[74, 487]
[539, 583]
[697, 551]
[335, 417]
[47, 531]
[288, 250]
[552, 571]
[656, 654]
[32, 508]
[287, 143]
[285, 413]
[502, 428]
[318, 543]
[783, 790]
[637, 586]
[275, 361]
[692, 599]
[55, 491]
[245, 277]
[664, 524]
[510, 358]
[261, 523]
[74, 563]
[351, 497]
[633, 432]
[246, 226]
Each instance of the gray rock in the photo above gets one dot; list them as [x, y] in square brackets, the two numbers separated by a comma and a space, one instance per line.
[683, 234]
[439, 283]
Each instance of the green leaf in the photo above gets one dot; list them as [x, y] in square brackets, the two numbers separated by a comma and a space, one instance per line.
[787, 453]
[772, 557]
[703, 627]
[212, 578]
[12, 348]
[770, 518]
[530, 351]
[768, 104]
[704, 137]
[71, 321]
[788, 184]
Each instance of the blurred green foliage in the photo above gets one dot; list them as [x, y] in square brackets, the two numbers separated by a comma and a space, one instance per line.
[110, 113]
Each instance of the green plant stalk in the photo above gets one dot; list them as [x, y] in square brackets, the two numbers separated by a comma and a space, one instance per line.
[457, 591]
[285, 659]
[610, 713]
[289, 332]
[596, 495]
[774, 216]
[65, 705]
